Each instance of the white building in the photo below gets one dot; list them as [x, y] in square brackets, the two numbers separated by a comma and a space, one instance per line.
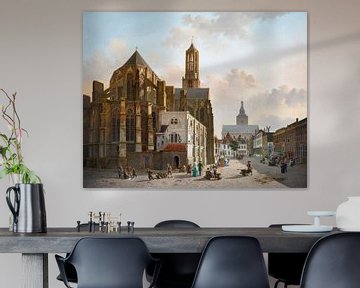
[258, 143]
[180, 127]
[242, 150]
[226, 151]
[243, 131]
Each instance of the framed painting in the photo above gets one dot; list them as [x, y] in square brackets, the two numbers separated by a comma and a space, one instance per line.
[195, 100]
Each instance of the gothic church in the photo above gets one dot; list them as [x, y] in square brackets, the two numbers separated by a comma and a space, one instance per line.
[121, 122]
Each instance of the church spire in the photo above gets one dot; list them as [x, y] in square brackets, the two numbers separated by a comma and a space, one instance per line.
[191, 79]
[242, 118]
[242, 110]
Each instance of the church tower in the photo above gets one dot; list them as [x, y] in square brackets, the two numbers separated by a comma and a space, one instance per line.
[242, 118]
[191, 79]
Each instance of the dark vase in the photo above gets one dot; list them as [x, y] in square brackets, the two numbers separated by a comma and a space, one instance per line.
[27, 207]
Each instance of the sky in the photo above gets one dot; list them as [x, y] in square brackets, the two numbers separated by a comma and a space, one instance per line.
[256, 57]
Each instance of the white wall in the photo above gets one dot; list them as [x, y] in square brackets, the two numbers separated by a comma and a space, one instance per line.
[40, 58]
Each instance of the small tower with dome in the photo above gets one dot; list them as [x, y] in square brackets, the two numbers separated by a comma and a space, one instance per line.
[242, 118]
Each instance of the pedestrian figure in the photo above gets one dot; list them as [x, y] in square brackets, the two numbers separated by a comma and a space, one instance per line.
[182, 168]
[208, 174]
[292, 162]
[194, 170]
[283, 167]
[150, 175]
[169, 170]
[200, 166]
[189, 169]
[249, 168]
[133, 173]
[125, 174]
[120, 171]
[129, 172]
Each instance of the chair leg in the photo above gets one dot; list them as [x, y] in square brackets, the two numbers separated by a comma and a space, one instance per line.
[277, 283]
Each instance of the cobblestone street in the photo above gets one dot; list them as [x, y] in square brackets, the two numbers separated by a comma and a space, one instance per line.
[263, 176]
[296, 176]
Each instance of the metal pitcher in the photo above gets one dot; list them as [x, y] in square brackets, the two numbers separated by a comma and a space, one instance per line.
[28, 208]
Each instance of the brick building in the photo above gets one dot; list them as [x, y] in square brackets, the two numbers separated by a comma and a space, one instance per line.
[291, 141]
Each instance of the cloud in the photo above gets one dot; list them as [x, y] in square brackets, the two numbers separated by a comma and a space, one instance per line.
[274, 122]
[241, 79]
[281, 97]
[226, 92]
[172, 74]
[233, 84]
[116, 47]
[276, 107]
[226, 26]
[101, 64]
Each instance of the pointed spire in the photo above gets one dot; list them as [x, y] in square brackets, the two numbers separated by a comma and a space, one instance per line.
[242, 109]
[192, 42]
[242, 118]
[192, 46]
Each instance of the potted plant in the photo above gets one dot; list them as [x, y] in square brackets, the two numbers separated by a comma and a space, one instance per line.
[26, 197]
[11, 159]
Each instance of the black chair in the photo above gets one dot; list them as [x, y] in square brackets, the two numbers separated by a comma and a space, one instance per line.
[69, 269]
[232, 262]
[333, 262]
[286, 267]
[178, 269]
[108, 263]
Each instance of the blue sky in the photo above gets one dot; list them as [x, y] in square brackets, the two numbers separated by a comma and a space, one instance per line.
[260, 58]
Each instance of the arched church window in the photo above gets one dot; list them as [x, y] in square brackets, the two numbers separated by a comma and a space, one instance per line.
[115, 124]
[191, 110]
[144, 127]
[191, 63]
[92, 119]
[154, 121]
[130, 125]
[202, 115]
[119, 93]
[130, 87]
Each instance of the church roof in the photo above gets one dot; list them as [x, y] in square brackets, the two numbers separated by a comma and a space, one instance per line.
[194, 93]
[175, 147]
[163, 128]
[239, 129]
[136, 59]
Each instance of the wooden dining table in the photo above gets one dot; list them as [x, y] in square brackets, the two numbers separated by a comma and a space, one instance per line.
[35, 247]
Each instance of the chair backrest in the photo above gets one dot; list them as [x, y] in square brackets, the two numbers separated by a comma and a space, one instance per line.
[232, 262]
[176, 224]
[110, 262]
[286, 266]
[333, 262]
[178, 269]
